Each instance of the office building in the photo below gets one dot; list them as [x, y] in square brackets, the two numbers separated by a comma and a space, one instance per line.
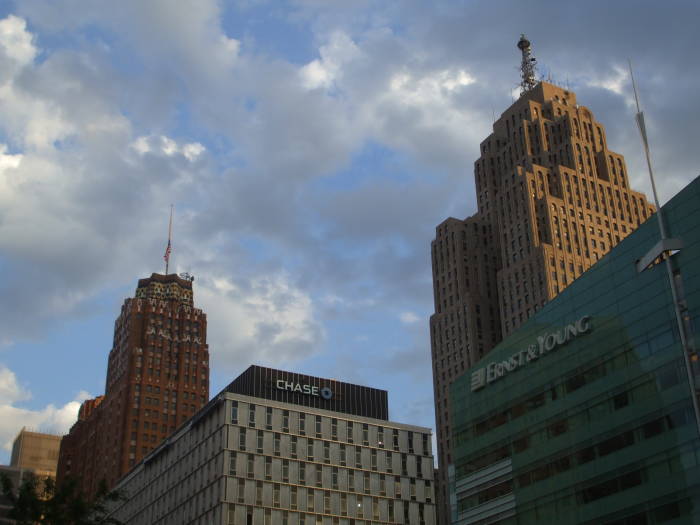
[36, 451]
[34, 454]
[552, 200]
[157, 377]
[584, 414]
[284, 448]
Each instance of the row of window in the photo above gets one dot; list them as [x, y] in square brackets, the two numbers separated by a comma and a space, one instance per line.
[340, 429]
[602, 367]
[302, 473]
[361, 515]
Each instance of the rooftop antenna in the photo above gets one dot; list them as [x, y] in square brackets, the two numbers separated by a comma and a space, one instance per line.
[168, 249]
[528, 66]
[663, 250]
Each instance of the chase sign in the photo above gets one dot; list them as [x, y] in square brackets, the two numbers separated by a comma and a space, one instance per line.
[311, 390]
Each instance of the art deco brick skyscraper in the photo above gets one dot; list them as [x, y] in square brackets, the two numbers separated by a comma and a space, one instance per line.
[157, 377]
[552, 199]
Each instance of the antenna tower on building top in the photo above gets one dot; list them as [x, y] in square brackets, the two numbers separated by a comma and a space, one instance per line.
[527, 67]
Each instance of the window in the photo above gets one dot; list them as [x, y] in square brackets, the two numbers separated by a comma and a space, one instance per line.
[268, 468]
[277, 444]
[334, 429]
[293, 498]
[285, 421]
[310, 449]
[365, 434]
[302, 424]
[250, 469]
[232, 464]
[349, 432]
[268, 418]
[260, 442]
[241, 490]
[318, 426]
[234, 412]
[241, 439]
[251, 415]
[310, 500]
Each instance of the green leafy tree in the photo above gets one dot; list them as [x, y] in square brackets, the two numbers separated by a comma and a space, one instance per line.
[42, 502]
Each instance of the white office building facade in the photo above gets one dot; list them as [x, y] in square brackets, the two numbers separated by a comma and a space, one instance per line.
[280, 457]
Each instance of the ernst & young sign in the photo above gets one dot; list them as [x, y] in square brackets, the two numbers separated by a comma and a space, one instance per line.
[311, 390]
[546, 343]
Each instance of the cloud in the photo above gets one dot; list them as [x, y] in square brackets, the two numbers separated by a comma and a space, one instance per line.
[167, 146]
[265, 320]
[15, 41]
[323, 72]
[409, 317]
[52, 419]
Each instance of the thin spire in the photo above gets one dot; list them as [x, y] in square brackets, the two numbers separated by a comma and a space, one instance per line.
[528, 66]
[168, 249]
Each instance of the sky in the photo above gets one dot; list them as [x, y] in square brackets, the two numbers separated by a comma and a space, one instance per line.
[309, 148]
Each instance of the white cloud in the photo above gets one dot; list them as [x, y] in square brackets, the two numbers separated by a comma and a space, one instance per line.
[408, 318]
[323, 72]
[263, 320]
[167, 146]
[10, 390]
[429, 88]
[16, 42]
[616, 80]
[53, 419]
[8, 161]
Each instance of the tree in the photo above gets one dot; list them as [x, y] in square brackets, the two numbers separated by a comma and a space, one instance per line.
[42, 502]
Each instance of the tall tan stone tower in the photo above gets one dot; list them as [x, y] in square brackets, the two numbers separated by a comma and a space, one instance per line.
[552, 200]
[157, 377]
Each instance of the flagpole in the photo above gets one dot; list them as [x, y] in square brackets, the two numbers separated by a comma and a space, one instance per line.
[168, 249]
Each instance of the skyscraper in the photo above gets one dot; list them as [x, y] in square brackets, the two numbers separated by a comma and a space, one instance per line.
[157, 377]
[552, 199]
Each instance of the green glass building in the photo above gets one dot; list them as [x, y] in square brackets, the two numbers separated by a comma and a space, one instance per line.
[585, 414]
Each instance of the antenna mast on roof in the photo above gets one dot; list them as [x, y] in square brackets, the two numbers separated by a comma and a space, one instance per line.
[528, 66]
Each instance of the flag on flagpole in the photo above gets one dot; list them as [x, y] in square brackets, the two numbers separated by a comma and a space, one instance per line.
[166, 257]
[168, 249]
